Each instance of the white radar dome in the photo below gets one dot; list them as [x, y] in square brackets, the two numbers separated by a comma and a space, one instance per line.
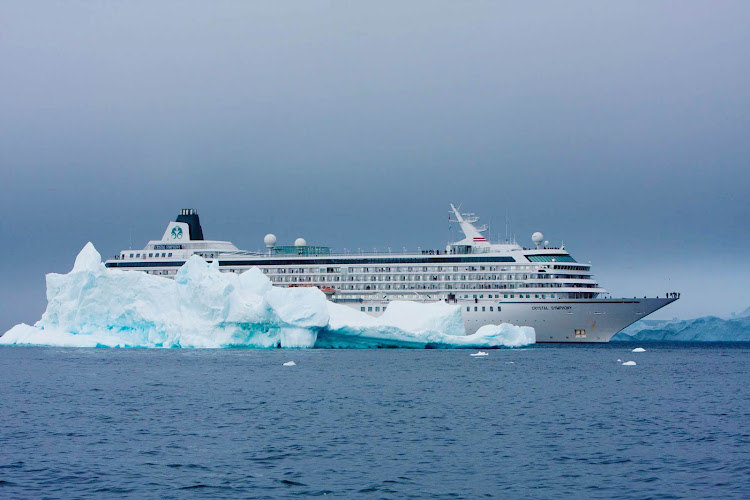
[270, 240]
[537, 238]
[300, 242]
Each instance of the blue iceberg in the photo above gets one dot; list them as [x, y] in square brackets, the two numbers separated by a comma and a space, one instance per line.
[704, 329]
[92, 306]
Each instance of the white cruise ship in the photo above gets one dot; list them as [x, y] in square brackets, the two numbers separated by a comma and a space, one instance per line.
[492, 283]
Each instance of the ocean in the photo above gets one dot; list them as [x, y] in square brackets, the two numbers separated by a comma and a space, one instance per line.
[563, 421]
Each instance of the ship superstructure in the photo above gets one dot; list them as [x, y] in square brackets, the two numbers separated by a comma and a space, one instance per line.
[543, 287]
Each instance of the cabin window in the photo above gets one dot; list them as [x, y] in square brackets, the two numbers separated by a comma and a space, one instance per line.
[475, 309]
[491, 309]
[169, 254]
[369, 309]
[362, 308]
[377, 309]
[468, 309]
[482, 308]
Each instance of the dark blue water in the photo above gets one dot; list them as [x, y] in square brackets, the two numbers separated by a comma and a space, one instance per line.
[563, 421]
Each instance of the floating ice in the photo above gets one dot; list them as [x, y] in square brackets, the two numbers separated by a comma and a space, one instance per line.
[93, 306]
[639, 349]
[705, 329]
[290, 363]
[410, 324]
[629, 363]
[479, 354]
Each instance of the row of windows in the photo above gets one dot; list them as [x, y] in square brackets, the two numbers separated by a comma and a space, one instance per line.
[399, 269]
[509, 295]
[433, 286]
[506, 278]
[573, 268]
[369, 309]
[476, 308]
[550, 258]
[148, 255]
[371, 261]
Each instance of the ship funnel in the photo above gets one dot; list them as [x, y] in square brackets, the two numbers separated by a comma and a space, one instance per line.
[190, 217]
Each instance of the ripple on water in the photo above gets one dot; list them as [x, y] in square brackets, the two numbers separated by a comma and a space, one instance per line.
[558, 421]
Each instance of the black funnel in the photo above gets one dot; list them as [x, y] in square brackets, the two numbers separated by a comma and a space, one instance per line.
[190, 217]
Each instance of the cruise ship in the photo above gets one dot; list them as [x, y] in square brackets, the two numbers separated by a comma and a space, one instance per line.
[543, 287]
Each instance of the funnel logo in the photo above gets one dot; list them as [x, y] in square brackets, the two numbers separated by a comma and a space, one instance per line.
[176, 233]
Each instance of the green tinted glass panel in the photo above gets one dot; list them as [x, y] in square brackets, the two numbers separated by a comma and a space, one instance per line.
[550, 258]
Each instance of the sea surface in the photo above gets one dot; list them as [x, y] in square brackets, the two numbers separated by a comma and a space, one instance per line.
[556, 421]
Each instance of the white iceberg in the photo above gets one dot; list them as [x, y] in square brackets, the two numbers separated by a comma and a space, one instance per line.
[290, 363]
[92, 306]
[639, 349]
[629, 363]
[479, 354]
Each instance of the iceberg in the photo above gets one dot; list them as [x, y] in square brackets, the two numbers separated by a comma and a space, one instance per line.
[704, 329]
[92, 306]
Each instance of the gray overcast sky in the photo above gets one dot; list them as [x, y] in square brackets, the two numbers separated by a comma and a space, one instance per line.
[619, 127]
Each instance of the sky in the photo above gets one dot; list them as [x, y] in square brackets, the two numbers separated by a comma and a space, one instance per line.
[618, 128]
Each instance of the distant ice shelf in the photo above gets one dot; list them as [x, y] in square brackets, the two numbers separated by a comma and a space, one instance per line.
[92, 306]
[705, 329]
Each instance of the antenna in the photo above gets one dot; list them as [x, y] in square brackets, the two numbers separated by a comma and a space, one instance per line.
[506, 225]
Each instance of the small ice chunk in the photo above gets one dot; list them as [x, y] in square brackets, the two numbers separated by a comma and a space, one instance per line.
[629, 363]
[480, 353]
[639, 349]
[619, 360]
[292, 363]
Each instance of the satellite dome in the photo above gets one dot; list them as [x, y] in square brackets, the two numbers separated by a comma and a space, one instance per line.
[270, 240]
[537, 238]
[300, 242]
